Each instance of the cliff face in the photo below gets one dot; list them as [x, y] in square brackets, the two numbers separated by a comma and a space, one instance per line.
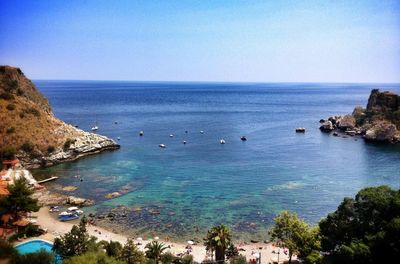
[380, 121]
[30, 131]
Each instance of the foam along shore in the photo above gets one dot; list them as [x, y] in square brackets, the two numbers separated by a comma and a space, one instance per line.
[56, 228]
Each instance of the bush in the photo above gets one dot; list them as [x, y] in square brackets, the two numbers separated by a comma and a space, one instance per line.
[187, 259]
[21, 115]
[27, 147]
[10, 107]
[32, 111]
[167, 258]
[7, 153]
[6, 96]
[50, 149]
[10, 130]
[67, 144]
[12, 85]
[20, 92]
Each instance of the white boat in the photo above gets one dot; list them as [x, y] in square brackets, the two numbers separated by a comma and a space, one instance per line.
[65, 213]
[95, 128]
[141, 133]
[162, 146]
[184, 142]
[74, 210]
[171, 135]
[118, 138]
[222, 141]
[201, 132]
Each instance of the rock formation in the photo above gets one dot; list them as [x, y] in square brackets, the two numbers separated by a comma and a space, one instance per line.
[30, 131]
[380, 121]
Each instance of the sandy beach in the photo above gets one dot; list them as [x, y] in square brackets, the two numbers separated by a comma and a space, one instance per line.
[56, 228]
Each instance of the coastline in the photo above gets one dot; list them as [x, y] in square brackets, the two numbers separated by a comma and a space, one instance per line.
[56, 228]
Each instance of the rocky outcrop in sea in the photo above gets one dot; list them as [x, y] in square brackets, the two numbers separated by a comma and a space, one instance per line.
[379, 122]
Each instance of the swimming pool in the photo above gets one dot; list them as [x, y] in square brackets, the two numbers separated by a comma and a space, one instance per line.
[35, 246]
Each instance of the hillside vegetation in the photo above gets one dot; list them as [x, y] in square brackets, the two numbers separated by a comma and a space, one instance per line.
[30, 131]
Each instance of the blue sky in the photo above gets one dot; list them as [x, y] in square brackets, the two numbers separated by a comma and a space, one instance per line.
[247, 41]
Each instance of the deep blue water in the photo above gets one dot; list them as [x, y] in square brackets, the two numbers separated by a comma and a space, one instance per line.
[242, 184]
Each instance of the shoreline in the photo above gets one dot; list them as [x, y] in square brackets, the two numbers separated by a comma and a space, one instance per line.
[56, 228]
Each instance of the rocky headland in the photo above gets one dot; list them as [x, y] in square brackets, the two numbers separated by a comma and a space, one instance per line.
[378, 122]
[29, 130]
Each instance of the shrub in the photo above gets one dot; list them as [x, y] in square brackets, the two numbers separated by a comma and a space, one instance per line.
[27, 147]
[50, 149]
[13, 85]
[167, 258]
[20, 92]
[6, 96]
[10, 107]
[10, 130]
[67, 144]
[21, 115]
[32, 111]
[7, 153]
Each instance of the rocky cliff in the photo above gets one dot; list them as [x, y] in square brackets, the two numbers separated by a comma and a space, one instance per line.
[30, 131]
[380, 121]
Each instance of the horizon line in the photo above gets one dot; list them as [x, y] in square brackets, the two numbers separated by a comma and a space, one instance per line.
[217, 82]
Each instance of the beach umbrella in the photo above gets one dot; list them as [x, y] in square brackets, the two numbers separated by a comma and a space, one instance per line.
[190, 242]
[156, 238]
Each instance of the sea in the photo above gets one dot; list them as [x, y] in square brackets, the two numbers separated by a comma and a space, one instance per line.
[184, 189]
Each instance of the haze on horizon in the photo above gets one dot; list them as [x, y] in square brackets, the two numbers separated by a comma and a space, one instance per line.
[246, 41]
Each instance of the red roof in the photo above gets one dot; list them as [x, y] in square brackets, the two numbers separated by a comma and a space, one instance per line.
[10, 162]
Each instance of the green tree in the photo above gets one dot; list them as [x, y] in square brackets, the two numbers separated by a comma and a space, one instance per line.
[365, 229]
[154, 250]
[40, 257]
[168, 258]
[218, 239]
[75, 242]
[112, 248]
[92, 257]
[131, 254]
[20, 199]
[289, 232]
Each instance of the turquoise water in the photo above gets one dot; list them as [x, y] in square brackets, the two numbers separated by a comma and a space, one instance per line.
[184, 189]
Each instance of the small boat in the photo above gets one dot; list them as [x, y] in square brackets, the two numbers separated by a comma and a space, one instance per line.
[162, 146]
[222, 141]
[68, 217]
[118, 138]
[65, 213]
[300, 130]
[115, 122]
[95, 128]
[184, 142]
[243, 138]
[201, 132]
[141, 133]
[171, 135]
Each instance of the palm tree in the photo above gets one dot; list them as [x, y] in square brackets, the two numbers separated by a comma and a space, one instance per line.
[154, 250]
[218, 239]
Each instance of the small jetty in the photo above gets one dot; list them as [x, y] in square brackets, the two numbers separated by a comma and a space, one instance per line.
[48, 179]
